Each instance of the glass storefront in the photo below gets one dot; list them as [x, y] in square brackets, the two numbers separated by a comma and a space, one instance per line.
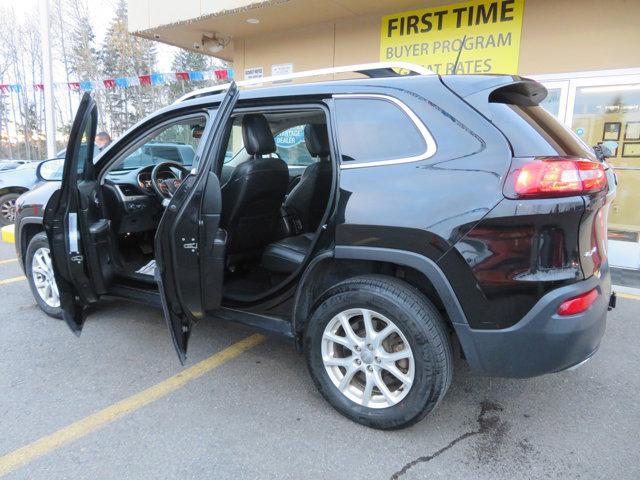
[606, 109]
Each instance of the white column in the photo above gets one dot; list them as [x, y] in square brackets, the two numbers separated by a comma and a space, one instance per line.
[47, 80]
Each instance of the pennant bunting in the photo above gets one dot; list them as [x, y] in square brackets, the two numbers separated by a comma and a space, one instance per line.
[126, 82]
[157, 79]
[221, 74]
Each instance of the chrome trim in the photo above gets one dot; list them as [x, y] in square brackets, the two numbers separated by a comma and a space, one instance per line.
[424, 131]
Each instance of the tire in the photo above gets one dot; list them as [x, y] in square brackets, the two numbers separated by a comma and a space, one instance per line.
[37, 243]
[387, 300]
[8, 208]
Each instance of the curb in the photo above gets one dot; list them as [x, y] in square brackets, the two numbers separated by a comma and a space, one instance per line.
[8, 234]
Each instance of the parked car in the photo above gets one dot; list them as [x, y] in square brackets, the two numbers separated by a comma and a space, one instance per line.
[435, 212]
[11, 164]
[13, 183]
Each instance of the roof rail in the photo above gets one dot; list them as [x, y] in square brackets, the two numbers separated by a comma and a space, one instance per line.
[371, 70]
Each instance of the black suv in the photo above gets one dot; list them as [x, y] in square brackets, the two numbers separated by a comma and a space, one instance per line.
[415, 216]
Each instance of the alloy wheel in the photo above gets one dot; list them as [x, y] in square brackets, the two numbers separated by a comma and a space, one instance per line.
[368, 358]
[43, 279]
[8, 210]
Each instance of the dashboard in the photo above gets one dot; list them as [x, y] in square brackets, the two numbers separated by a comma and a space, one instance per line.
[130, 196]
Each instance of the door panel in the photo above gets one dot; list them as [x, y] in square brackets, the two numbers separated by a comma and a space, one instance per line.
[80, 262]
[188, 239]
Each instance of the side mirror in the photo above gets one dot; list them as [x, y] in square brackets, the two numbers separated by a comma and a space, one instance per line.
[50, 170]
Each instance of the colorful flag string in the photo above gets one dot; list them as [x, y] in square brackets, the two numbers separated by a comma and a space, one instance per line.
[126, 82]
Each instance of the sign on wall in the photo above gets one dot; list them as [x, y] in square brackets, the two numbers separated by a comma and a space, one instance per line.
[486, 33]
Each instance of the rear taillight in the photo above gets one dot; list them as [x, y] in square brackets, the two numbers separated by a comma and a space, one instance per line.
[578, 304]
[545, 177]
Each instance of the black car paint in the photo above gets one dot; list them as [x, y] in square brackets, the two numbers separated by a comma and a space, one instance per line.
[445, 217]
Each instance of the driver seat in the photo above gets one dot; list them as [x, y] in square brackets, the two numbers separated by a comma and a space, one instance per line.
[252, 197]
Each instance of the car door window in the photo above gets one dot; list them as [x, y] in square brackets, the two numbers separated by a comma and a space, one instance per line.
[176, 142]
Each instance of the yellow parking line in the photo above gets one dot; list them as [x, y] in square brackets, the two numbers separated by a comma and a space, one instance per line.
[44, 445]
[12, 280]
[10, 260]
[630, 296]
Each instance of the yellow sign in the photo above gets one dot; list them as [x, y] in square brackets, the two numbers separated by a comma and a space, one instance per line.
[485, 33]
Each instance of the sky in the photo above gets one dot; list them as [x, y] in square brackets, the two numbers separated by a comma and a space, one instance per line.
[101, 11]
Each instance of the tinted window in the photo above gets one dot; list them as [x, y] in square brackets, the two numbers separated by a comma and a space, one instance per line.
[532, 131]
[372, 130]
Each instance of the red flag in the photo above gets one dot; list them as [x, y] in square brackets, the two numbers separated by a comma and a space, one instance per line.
[145, 79]
[182, 75]
[221, 74]
[38, 87]
[109, 83]
[74, 85]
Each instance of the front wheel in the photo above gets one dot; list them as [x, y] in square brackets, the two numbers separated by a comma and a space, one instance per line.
[379, 352]
[39, 272]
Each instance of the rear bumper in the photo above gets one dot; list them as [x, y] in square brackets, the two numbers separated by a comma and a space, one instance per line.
[542, 342]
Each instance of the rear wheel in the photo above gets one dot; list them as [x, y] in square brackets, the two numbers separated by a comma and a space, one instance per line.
[8, 208]
[378, 351]
[40, 275]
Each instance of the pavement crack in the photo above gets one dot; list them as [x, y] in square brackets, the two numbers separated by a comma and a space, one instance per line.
[485, 424]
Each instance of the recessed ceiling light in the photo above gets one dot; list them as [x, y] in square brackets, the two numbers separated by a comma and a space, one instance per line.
[253, 20]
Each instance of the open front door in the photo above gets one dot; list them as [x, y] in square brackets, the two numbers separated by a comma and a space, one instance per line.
[189, 245]
[77, 234]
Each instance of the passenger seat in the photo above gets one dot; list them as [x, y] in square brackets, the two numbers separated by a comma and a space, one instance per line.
[308, 199]
[287, 254]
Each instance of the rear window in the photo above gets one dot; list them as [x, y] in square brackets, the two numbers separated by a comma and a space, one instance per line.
[532, 131]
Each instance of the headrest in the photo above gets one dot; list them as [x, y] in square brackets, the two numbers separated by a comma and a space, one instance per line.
[256, 134]
[317, 140]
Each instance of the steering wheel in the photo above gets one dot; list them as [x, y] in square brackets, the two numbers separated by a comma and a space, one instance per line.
[165, 188]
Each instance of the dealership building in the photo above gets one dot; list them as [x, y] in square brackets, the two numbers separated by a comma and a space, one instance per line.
[585, 52]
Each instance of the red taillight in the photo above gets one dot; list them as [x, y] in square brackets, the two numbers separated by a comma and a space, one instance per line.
[578, 304]
[557, 176]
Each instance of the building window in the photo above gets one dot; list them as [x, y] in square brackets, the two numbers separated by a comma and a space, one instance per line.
[374, 130]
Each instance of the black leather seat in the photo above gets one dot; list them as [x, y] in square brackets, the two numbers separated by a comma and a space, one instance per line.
[253, 196]
[308, 199]
[287, 254]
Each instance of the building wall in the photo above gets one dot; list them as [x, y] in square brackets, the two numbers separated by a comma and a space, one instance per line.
[557, 37]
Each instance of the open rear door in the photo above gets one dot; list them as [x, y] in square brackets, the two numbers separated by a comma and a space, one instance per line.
[77, 234]
[189, 245]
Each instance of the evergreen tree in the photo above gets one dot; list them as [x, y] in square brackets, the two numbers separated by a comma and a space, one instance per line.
[124, 55]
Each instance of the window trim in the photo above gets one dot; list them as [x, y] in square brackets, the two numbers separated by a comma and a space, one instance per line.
[422, 129]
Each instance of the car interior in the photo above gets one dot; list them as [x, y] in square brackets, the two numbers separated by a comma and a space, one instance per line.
[275, 180]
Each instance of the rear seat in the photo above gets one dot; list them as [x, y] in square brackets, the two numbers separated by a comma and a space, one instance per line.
[284, 256]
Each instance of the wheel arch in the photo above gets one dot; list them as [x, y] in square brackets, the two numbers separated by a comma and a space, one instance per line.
[29, 228]
[13, 189]
[344, 262]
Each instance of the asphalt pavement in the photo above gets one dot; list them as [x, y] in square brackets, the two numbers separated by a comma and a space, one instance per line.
[116, 404]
